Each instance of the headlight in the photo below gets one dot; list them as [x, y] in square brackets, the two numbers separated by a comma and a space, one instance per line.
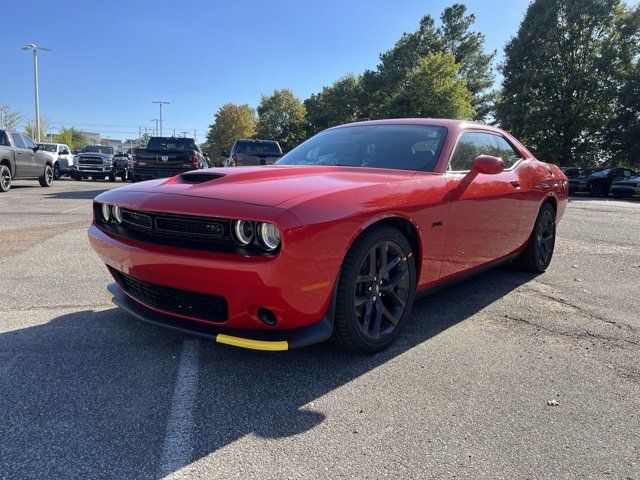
[269, 236]
[105, 212]
[116, 213]
[243, 231]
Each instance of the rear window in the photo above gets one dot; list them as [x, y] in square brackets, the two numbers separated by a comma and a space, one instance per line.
[47, 147]
[172, 144]
[257, 147]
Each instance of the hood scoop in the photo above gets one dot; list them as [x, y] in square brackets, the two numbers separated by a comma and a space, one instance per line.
[198, 177]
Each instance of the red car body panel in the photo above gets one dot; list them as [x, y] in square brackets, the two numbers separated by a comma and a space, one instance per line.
[462, 221]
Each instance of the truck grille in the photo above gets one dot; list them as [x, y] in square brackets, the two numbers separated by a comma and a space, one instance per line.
[212, 308]
[90, 161]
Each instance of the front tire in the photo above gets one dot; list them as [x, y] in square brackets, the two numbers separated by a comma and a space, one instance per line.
[5, 178]
[46, 180]
[375, 292]
[537, 255]
[56, 171]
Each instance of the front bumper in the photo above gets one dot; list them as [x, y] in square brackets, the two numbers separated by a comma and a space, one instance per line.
[287, 285]
[269, 340]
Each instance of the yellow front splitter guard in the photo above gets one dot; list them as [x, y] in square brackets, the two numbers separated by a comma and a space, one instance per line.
[252, 344]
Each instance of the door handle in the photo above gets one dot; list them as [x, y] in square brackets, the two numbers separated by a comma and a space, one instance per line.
[515, 183]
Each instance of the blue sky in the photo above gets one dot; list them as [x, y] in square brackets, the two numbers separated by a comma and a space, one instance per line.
[110, 60]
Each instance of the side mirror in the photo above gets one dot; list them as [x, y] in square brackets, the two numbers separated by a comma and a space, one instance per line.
[487, 165]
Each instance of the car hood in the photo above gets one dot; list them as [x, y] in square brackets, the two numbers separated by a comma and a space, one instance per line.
[270, 185]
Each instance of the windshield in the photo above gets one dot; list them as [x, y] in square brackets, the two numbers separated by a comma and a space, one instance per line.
[47, 147]
[403, 147]
[159, 143]
[257, 147]
[98, 149]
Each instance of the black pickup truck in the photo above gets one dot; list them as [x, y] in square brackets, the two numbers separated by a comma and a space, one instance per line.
[20, 159]
[166, 157]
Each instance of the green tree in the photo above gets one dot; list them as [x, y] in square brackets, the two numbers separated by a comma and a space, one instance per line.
[560, 77]
[432, 89]
[623, 130]
[334, 105]
[72, 137]
[453, 36]
[282, 117]
[231, 122]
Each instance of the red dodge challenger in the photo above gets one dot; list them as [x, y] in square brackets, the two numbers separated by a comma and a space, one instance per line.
[334, 240]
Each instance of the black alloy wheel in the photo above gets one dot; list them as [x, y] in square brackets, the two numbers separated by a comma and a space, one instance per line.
[537, 255]
[381, 290]
[375, 291]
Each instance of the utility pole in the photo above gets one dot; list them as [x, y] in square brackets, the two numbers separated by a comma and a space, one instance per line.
[160, 102]
[195, 135]
[2, 109]
[174, 132]
[156, 131]
[35, 49]
[184, 134]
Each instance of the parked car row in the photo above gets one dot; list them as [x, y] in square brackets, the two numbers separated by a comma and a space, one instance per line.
[599, 182]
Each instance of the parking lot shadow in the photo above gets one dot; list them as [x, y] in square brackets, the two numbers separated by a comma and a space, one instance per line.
[77, 194]
[89, 393]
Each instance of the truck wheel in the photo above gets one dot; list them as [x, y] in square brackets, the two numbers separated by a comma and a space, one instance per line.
[125, 175]
[56, 171]
[5, 178]
[46, 180]
[112, 177]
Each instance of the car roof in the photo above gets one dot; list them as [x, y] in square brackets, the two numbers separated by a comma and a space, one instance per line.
[450, 124]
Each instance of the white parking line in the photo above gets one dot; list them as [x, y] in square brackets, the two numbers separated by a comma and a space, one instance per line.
[72, 209]
[177, 448]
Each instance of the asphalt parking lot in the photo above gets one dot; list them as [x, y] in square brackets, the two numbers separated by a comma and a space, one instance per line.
[86, 391]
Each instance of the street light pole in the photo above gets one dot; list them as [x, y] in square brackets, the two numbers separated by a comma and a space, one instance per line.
[35, 49]
[160, 102]
[155, 120]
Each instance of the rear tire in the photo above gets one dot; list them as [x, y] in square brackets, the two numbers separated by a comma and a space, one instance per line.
[46, 180]
[5, 178]
[538, 253]
[375, 291]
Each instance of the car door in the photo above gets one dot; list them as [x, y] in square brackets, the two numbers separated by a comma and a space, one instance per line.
[37, 162]
[485, 211]
[24, 156]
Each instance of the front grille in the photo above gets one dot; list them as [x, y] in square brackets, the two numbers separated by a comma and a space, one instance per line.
[185, 231]
[90, 161]
[212, 308]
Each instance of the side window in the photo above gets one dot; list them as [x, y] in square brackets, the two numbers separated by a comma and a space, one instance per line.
[506, 152]
[28, 142]
[3, 139]
[470, 145]
[17, 140]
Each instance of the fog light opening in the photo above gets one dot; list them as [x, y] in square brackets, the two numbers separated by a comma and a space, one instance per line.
[267, 317]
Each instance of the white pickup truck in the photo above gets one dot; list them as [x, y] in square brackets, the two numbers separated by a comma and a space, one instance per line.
[62, 158]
